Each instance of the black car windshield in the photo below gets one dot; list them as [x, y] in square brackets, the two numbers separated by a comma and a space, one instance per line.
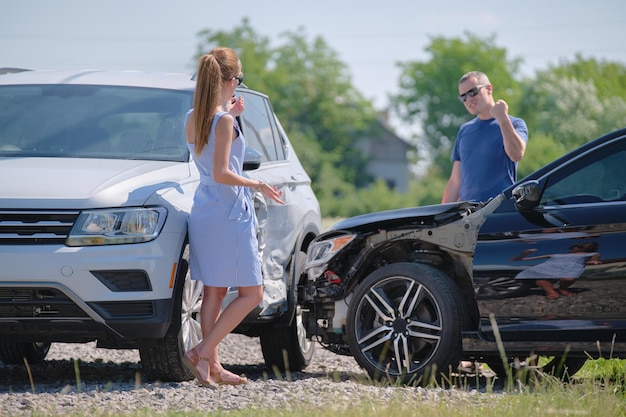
[92, 121]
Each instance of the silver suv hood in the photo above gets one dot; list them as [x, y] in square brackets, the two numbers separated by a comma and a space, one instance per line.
[77, 183]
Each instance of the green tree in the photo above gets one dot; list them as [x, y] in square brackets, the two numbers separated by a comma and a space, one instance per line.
[315, 90]
[575, 102]
[609, 78]
[428, 89]
[312, 94]
[542, 149]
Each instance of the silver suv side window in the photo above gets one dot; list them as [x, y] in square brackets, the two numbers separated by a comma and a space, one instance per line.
[259, 128]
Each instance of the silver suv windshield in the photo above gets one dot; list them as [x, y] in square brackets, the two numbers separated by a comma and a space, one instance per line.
[93, 121]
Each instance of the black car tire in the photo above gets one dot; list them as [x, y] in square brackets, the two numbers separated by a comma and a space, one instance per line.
[162, 359]
[14, 353]
[285, 347]
[410, 310]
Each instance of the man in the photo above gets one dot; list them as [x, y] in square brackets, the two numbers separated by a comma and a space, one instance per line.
[486, 151]
[487, 148]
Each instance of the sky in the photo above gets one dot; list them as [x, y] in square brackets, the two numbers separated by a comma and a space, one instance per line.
[370, 37]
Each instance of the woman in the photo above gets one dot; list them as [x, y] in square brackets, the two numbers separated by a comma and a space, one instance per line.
[562, 267]
[222, 223]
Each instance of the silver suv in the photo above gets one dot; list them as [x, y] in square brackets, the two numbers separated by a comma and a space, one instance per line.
[96, 186]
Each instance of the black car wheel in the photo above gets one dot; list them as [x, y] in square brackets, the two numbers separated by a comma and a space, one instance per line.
[404, 323]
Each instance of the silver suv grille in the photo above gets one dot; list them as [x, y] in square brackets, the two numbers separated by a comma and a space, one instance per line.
[32, 227]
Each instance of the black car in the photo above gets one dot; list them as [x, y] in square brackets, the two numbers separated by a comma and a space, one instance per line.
[542, 266]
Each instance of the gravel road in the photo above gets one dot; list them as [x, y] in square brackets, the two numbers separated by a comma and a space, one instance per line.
[111, 380]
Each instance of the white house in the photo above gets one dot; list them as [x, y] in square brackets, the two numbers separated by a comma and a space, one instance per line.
[387, 156]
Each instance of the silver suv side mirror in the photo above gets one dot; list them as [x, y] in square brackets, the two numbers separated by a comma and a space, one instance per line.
[252, 159]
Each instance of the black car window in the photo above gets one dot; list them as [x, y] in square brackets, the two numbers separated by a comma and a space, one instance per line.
[259, 127]
[596, 177]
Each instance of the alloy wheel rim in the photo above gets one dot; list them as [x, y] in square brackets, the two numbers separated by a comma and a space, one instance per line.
[398, 325]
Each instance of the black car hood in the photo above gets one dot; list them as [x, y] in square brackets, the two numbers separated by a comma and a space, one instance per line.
[426, 216]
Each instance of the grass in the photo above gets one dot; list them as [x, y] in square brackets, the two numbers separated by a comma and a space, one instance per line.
[329, 221]
[554, 400]
[599, 389]
[548, 399]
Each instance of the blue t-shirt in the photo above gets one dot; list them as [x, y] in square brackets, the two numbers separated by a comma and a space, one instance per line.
[486, 169]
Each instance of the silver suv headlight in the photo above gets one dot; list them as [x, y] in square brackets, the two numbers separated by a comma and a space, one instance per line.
[117, 226]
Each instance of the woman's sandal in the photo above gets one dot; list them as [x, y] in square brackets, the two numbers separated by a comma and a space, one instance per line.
[240, 380]
[191, 365]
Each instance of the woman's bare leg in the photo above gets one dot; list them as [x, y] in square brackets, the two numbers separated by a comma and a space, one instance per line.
[548, 287]
[210, 310]
[224, 323]
[212, 298]
[564, 284]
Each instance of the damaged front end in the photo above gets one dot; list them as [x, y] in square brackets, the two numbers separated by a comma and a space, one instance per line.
[441, 236]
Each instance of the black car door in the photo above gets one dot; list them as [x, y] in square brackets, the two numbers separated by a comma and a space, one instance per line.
[558, 271]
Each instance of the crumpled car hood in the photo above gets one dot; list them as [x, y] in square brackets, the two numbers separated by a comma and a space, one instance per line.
[78, 183]
[424, 215]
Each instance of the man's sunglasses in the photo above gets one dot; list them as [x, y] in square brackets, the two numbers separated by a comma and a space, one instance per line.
[471, 93]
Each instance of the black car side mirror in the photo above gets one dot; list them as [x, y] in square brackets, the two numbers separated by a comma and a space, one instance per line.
[527, 195]
[252, 159]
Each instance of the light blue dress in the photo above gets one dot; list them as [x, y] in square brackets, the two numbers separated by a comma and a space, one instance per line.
[560, 265]
[222, 225]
